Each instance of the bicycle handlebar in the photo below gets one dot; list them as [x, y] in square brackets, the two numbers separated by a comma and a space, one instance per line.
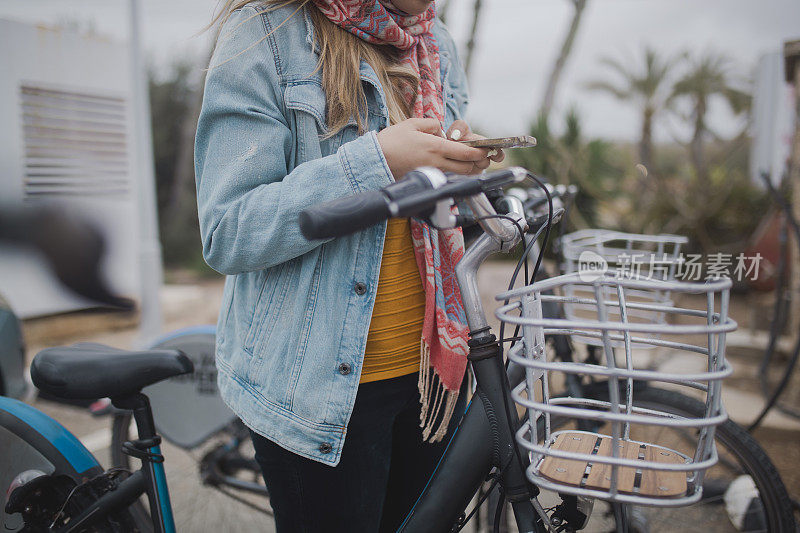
[534, 199]
[344, 215]
[419, 194]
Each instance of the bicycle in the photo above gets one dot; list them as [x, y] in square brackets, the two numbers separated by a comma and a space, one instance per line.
[774, 499]
[486, 442]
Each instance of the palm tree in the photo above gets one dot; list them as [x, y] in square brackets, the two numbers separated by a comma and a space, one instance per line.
[569, 158]
[476, 15]
[646, 86]
[708, 76]
[561, 60]
[700, 200]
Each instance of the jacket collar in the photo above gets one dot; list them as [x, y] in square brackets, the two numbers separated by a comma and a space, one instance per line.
[366, 71]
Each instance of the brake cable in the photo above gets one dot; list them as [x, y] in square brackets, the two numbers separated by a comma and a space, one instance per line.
[526, 252]
[776, 393]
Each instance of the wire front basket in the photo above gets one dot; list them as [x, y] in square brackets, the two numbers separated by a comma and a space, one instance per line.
[618, 448]
[627, 255]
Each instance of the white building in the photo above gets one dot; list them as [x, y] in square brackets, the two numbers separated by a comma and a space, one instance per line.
[66, 136]
[773, 119]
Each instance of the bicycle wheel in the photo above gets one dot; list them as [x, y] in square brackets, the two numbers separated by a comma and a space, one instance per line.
[730, 501]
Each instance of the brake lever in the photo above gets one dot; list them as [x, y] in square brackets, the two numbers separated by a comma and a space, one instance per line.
[541, 220]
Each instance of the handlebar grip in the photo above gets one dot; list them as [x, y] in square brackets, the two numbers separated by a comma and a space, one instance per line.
[344, 216]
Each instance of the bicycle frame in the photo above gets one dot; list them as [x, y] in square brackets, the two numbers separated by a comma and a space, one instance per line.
[483, 438]
[150, 479]
[147, 448]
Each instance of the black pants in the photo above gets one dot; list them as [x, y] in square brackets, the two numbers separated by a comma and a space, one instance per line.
[383, 469]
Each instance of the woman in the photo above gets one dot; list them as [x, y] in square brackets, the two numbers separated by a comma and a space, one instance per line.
[335, 354]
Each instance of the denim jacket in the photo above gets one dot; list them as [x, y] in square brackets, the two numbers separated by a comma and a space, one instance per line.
[295, 313]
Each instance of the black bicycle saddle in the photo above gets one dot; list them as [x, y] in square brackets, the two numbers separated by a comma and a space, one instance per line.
[87, 370]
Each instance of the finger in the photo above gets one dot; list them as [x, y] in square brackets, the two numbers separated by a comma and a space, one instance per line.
[458, 167]
[460, 152]
[458, 130]
[499, 156]
[427, 125]
[476, 169]
[483, 164]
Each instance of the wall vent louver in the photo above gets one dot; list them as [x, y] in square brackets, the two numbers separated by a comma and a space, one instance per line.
[75, 143]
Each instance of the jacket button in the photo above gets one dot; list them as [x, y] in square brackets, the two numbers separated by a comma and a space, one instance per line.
[345, 369]
[325, 448]
[360, 288]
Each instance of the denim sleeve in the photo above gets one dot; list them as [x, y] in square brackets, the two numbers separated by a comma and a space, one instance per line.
[457, 78]
[248, 197]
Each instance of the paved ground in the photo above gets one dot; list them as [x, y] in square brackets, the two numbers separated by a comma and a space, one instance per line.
[201, 509]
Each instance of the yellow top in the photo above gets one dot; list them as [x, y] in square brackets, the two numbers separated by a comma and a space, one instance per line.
[393, 341]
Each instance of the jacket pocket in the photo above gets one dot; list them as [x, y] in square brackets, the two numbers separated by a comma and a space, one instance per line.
[454, 100]
[223, 321]
[307, 101]
[309, 98]
[269, 301]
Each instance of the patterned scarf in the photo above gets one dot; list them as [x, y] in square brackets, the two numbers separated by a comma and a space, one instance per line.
[444, 331]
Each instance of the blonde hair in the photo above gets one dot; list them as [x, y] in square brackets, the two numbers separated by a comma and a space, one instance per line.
[340, 55]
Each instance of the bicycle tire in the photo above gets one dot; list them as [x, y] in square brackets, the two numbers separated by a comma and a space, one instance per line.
[732, 442]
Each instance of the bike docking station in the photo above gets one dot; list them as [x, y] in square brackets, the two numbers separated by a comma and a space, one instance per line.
[618, 467]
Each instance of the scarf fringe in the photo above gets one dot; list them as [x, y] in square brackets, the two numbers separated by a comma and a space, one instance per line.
[437, 402]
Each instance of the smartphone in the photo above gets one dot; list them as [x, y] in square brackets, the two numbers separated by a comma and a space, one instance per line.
[521, 141]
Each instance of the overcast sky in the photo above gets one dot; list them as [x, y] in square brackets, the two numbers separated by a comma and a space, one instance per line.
[517, 43]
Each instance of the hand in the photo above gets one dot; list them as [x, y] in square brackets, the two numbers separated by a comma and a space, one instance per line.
[459, 131]
[417, 142]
